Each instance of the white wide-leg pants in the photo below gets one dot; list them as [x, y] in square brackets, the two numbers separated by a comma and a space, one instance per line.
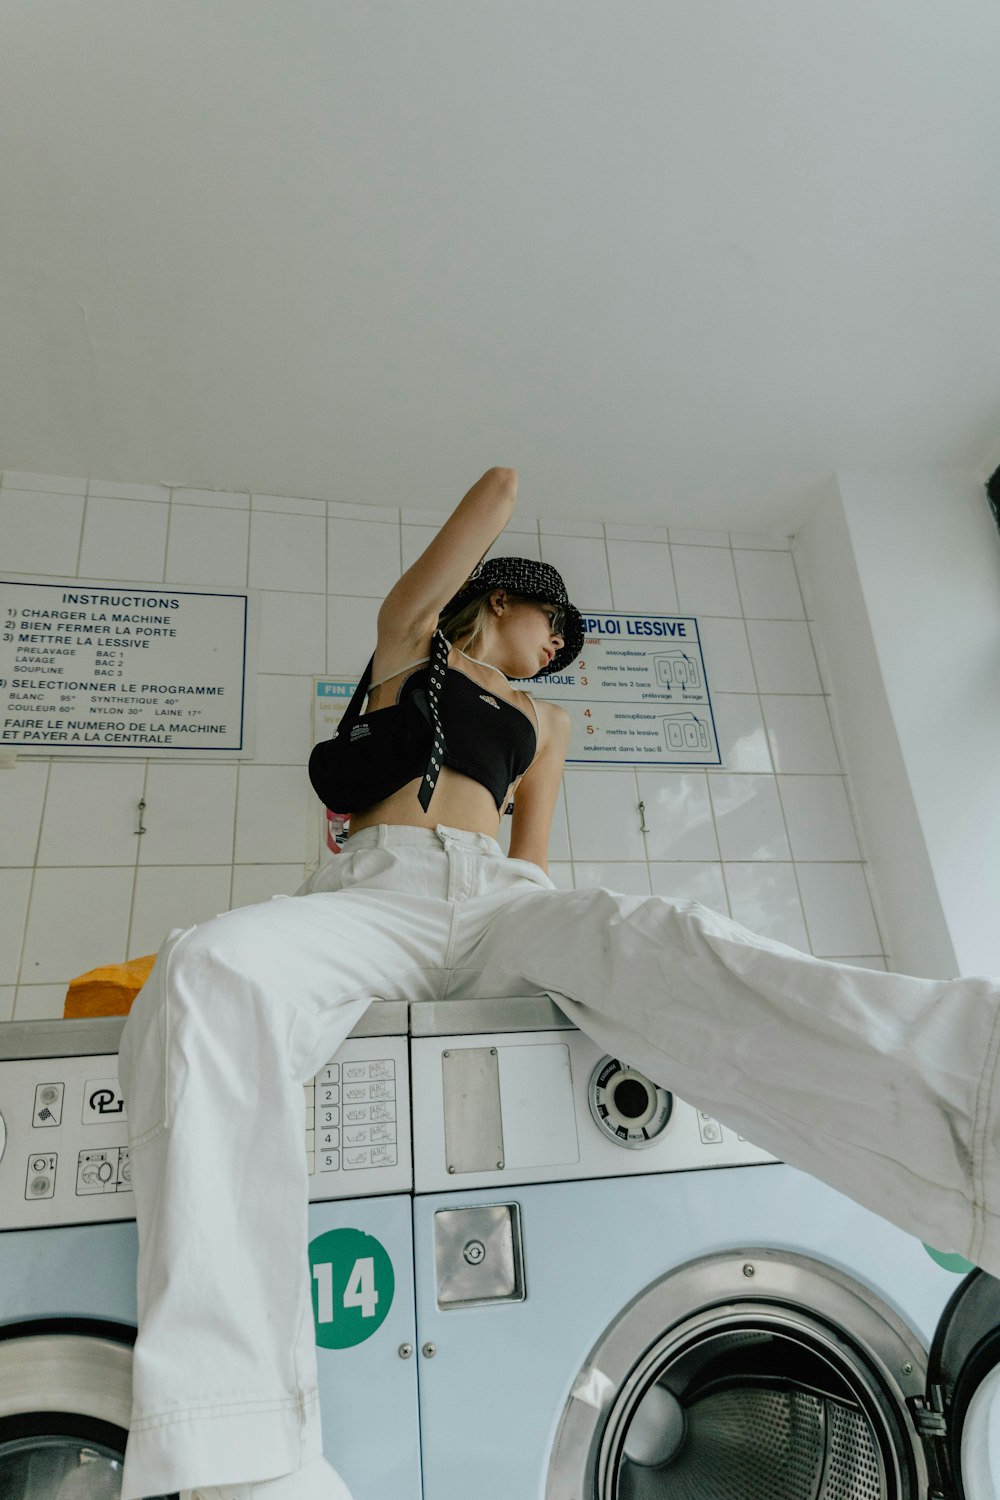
[881, 1085]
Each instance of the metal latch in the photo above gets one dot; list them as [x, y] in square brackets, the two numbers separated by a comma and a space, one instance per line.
[929, 1416]
[478, 1255]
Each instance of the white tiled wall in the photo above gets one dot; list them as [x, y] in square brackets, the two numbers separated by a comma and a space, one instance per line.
[769, 837]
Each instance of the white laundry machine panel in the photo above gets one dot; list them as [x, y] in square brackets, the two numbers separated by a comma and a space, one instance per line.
[522, 1096]
[633, 1328]
[67, 1276]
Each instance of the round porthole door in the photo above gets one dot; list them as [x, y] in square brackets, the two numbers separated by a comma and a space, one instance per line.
[64, 1412]
[757, 1376]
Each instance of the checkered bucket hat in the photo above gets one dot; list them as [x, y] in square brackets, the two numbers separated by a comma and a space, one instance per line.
[530, 580]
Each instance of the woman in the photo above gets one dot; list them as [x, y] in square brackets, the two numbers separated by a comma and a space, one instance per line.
[877, 1083]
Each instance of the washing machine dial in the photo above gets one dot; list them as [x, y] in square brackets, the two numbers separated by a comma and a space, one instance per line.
[628, 1107]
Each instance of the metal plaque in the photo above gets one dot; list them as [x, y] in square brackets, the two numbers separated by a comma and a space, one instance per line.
[473, 1133]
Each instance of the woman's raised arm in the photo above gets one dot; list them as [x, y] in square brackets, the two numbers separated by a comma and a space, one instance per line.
[411, 607]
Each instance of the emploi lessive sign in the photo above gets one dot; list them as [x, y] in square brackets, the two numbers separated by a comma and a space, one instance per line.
[638, 694]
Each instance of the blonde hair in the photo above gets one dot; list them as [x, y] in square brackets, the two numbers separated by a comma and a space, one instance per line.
[467, 623]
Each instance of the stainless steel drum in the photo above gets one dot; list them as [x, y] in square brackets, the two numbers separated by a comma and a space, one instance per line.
[758, 1376]
[759, 1415]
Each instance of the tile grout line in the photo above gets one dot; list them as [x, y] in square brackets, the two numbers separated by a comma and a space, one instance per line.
[240, 763]
[166, 540]
[83, 527]
[784, 819]
[774, 774]
[826, 683]
[18, 981]
[756, 694]
[673, 575]
[140, 815]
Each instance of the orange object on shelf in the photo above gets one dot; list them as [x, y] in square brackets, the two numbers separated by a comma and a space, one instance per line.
[108, 991]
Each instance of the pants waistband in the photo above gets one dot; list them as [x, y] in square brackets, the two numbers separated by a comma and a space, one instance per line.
[401, 836]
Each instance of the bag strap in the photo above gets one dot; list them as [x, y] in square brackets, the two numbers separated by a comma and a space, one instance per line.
[352, 712]
[440, 646]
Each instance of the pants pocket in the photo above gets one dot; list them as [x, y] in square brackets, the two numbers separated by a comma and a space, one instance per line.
[525, 869]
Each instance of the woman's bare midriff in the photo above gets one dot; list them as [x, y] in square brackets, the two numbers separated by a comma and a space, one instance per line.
[458, 802]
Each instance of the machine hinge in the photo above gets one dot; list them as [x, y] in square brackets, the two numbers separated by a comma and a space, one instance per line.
[929, 1416]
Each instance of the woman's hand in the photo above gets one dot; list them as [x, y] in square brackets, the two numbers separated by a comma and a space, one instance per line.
[411, 608]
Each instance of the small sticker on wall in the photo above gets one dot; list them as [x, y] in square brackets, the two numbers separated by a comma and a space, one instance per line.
[330, 699]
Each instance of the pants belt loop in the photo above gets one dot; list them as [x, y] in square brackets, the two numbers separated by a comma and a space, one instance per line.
[380, 833]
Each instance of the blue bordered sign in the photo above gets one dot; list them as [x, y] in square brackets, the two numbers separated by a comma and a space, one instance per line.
[638, 694]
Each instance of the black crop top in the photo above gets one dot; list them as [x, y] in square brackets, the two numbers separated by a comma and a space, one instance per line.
[486, 737]
[441, 717]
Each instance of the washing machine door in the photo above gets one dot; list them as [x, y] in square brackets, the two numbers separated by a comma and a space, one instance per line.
[759, 1376]
[64, 1410]
[960, 1418]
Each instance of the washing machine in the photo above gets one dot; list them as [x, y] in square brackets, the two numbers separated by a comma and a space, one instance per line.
[68, 1255]
[620, 1299]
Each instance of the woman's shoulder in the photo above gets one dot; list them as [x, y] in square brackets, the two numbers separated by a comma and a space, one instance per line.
[398, 651]
[554, 722]
[556, 715]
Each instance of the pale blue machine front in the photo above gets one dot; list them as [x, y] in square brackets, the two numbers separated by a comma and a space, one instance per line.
[536, 1275]
[624, 1300]
[68, 1253]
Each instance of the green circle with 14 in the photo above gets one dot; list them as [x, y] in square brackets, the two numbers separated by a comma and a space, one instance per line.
[352, 1287]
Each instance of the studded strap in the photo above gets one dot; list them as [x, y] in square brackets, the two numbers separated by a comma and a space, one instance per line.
[435, 683]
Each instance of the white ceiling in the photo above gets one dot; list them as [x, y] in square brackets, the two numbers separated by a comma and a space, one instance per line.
[672, 259]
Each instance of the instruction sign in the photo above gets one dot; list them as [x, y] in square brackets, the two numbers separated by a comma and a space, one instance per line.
[638, 694]
[99, 667]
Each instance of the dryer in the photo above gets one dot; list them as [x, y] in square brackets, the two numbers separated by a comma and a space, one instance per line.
[618, 1299]
[68, 1253]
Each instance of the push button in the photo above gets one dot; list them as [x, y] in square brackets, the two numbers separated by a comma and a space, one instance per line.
[41, 1180]
[48, 1105]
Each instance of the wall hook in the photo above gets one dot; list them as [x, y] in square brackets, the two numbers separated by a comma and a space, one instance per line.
[642, 819]
[142, 808]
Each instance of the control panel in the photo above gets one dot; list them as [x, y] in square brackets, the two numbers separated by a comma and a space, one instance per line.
[358, 1120]
[550, 1107]
[65, 1142]
[64, 1152]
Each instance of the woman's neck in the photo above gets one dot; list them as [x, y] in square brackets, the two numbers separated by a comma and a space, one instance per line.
[480, 661]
